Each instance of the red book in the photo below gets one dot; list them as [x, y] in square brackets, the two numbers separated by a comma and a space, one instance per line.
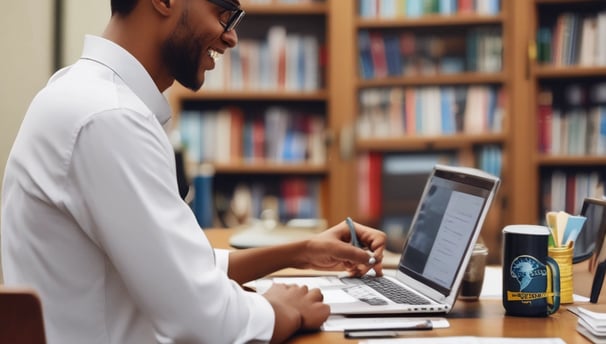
[377, 52]
[258, 138]
[466, 6]
[236, 133]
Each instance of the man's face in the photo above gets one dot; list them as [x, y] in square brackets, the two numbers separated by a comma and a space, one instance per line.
[192, 47]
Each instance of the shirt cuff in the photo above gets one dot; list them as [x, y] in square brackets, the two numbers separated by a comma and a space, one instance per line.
[222, 259]
[261, 324]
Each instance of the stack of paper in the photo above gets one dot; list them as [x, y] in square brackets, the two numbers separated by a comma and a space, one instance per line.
[565, 228]
[591, 324]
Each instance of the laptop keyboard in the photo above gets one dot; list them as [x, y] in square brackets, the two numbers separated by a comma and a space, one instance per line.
[390, 290]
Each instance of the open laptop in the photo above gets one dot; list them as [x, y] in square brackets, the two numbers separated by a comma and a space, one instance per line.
[441, 238]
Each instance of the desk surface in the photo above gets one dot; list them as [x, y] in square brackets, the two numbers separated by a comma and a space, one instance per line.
[485, 318]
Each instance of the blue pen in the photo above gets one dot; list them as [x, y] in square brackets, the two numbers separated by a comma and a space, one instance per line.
[352, 232]
[354, 239]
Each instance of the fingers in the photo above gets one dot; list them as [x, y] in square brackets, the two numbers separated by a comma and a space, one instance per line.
[308, 303]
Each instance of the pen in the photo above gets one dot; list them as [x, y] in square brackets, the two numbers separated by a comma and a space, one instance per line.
[354, 240]
[386, 332]
[352, 232]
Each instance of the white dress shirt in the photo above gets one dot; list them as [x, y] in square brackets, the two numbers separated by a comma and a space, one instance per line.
[92, 218]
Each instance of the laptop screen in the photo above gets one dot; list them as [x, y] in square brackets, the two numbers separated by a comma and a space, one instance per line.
[443, 228]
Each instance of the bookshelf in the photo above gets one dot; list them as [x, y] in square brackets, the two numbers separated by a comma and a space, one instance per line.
[514, 75]
[449, 54]
[273, 88]
[566, 73]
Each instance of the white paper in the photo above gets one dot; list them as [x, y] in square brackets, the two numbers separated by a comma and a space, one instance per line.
[466, 340]
[340, 323]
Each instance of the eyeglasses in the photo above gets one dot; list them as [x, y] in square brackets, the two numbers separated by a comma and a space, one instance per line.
[232, 15]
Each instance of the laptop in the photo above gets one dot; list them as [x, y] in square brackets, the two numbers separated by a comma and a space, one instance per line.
[444, 229]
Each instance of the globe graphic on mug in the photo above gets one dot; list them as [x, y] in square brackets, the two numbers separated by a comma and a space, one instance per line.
[525, 268]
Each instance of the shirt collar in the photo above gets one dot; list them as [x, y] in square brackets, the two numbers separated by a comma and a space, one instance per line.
[130, 70]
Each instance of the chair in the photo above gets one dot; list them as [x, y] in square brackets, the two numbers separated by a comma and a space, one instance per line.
[21, 319]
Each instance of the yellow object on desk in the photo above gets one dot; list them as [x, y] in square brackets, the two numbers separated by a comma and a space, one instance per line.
[563, 256]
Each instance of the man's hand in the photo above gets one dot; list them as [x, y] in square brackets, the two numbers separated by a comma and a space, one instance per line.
[295, 308]
[332, 250]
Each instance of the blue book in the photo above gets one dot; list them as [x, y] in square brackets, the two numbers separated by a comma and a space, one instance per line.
[448, 7]
[602, 132]
[494, 7]
[447, 110]
[392, 54]
[366, 65]
[492, 107]
[414, 8]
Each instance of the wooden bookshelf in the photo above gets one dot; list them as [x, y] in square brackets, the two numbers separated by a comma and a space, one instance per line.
[304, 19]
[430, 21]
[463, 145]
[421, 143]
[557, 78]
[520, 77]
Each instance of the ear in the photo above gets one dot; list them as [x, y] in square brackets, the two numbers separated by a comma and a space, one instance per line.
[162, 6]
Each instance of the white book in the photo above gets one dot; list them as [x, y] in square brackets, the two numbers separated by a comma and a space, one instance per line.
[293, 53]
[223, 136]
[311, 59]
[588, 42]
[556, 128]
[558, 191]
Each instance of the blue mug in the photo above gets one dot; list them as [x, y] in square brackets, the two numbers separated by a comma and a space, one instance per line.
[531, 279]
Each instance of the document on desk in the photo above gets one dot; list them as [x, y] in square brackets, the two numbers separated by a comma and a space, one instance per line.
[465, 340]
[340, 323]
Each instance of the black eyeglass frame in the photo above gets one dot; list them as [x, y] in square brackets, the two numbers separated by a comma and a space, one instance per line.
[234, 18]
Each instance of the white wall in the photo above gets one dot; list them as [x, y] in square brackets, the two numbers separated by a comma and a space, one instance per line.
[26, 38]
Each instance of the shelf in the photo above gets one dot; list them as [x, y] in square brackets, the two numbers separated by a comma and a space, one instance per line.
[243, 95]
[415, 143]
[265, 168]
[286, 9]
[429, 21]
[574, 161]
[444, 79]
[566, 72]
[565, 2]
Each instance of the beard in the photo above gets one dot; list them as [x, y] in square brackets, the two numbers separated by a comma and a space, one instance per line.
[181, 54]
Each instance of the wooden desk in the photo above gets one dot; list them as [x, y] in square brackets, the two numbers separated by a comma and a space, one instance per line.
[485, 318]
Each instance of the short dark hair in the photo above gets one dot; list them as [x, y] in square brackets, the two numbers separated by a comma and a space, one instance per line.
[123, 7]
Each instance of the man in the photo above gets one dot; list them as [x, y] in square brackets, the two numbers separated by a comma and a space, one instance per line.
[92, 217]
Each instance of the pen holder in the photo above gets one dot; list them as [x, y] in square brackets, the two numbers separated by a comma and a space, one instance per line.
[563, 256]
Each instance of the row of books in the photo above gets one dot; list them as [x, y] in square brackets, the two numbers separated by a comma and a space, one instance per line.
[288, 198]
[572, 126]
[389, 53]
[565, 190]
[283, 61]
[244, 2]
[278, 135]
[430, 110]
[574, 39]
[418, 8]
[390, 184]
[489, 158]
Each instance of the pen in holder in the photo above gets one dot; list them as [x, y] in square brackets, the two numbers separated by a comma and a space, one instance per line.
[563, 256]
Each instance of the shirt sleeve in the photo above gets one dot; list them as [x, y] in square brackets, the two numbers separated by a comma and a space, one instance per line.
[122, 159]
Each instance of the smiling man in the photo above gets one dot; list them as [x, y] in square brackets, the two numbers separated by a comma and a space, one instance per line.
[91, 213]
